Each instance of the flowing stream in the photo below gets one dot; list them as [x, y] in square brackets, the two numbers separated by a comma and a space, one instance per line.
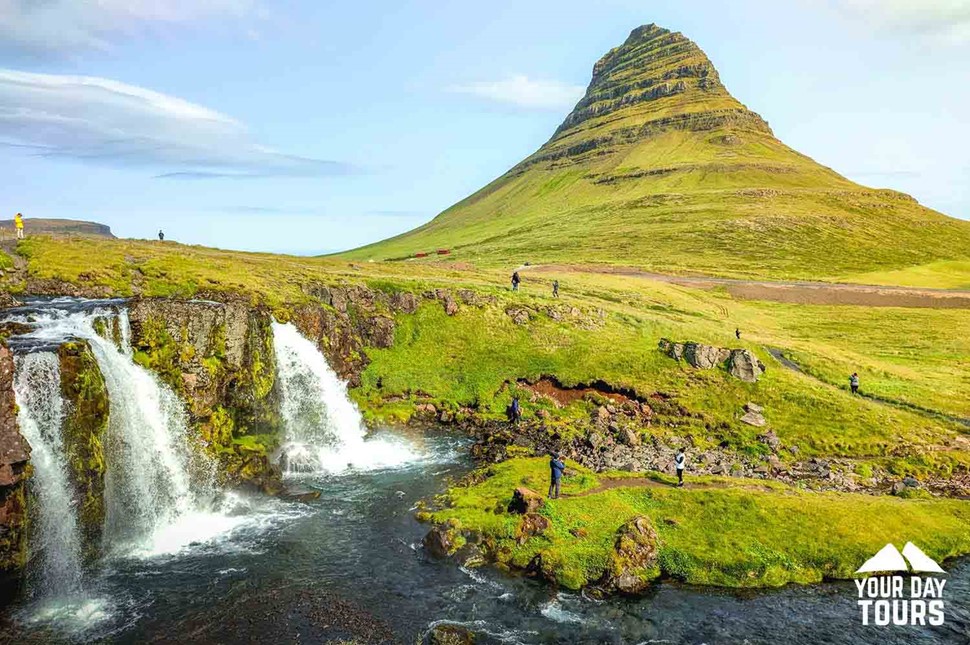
[184, 562]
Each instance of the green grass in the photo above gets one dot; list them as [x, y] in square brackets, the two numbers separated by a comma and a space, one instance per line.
[917, 356]
[703, 196]
[736, 533]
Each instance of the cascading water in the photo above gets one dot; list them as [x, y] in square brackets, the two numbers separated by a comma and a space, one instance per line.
[155, 485]
[323, 428]
[55, 543]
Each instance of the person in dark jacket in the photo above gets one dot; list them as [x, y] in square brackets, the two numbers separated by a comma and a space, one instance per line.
[555, 288]
[556, 468]
[161, 235]
[515, 281]
[515, 411]
[737, 332]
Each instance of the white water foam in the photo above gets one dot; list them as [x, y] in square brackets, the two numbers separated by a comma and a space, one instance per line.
[324, 429]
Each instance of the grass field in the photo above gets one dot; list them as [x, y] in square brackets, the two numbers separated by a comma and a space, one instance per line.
[716, 531]
[918, 356]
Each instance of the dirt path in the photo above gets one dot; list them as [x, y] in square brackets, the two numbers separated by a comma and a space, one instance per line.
[643, 482]
[790, 291]
[779, 356]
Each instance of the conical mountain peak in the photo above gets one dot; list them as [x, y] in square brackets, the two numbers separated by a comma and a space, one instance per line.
[659, 167]
[657, 80]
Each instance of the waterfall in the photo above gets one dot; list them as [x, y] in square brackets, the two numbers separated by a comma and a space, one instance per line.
[324, 430]
[155, 485]
[55, 539]
[148, 486]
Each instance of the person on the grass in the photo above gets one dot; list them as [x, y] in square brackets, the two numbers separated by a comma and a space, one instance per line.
[556, 468]
[555, 288]
[680, 462]
[515, 411]
[18, 222]
[854, 382]
[515, 281]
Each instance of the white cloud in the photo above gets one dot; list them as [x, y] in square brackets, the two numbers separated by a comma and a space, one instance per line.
[102, 121]
[61, 26]
[523, 92]
[942, 20]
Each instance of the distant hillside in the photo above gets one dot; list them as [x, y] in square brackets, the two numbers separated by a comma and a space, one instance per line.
[659, 167]
[58, 227]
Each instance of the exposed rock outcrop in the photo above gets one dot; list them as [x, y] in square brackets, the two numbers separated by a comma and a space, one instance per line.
[740, 363]
[14, 471]
[220, 358]
[525, 501]
[633, 562]
[743, 364]
[84, 391]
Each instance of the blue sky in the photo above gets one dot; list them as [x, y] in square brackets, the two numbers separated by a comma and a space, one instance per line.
[310, 126]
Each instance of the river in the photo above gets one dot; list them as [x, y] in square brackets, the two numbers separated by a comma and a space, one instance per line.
[349, 566]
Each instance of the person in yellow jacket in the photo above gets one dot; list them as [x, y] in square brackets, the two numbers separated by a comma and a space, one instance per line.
[18, 222]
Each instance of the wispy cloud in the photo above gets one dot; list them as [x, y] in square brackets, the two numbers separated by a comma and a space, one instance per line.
[63, 26]
[523, 92]
[97, 120]
[940, 20]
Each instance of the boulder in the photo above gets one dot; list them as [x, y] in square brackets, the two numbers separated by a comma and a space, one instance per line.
[425, 410]
[524, 501]
[449, 635]
[633, 562]
[628, 437]
[442, 540]
[743, 364]
[753, 419]
[518, 315]
[911, 482]
[705, 357]
[753, 407]
[450, 305]
[770, 439]
[404, 302]
[532, 524]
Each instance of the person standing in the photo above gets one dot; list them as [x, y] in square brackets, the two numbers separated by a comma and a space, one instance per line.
[515, 281]
[556, 468]
[680, 462]
[515, 411]
[854, 382]
[18, 222]
[737, 332]
[555, 288]
[161, 235]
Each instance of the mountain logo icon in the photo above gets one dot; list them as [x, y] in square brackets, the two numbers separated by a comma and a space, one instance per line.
[889, 559]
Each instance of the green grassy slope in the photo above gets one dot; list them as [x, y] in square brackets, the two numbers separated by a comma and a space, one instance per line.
[916, 356]
[660, 167]
[705, 531]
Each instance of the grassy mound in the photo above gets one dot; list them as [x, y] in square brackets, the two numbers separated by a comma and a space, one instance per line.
[715, 531]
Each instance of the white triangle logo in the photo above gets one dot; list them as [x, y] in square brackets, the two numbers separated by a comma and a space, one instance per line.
[919, 561]
[889, 559]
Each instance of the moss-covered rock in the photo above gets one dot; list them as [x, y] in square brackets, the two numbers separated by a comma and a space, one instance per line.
[86, 395]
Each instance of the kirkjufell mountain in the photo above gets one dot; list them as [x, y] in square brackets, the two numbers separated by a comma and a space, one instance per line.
[659, 167]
